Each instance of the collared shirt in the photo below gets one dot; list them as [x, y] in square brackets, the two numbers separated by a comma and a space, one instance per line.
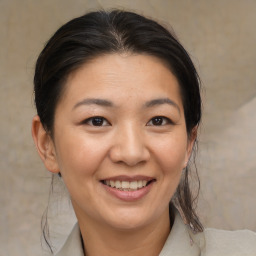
[183, 242]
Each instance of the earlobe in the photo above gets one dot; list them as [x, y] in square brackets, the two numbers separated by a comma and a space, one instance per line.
[45, 146]
[191, 141]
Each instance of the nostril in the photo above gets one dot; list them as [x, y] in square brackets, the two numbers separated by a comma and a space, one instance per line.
[129, 151]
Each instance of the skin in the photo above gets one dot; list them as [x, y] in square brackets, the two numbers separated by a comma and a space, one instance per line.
[126, 143]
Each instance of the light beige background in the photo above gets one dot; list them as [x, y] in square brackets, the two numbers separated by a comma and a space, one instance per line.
[221, 38]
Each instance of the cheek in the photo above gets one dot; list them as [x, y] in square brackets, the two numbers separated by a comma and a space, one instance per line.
[171, 154]
[78, 156]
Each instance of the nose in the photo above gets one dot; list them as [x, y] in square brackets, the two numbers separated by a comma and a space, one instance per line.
[129, 146]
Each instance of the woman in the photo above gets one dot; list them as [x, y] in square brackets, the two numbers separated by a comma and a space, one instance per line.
[118, 103]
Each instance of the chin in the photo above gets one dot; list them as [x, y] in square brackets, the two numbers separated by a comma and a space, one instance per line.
[129, 219]
[128, 224]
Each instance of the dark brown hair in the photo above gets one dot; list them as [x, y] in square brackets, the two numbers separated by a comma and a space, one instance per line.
[102, 32]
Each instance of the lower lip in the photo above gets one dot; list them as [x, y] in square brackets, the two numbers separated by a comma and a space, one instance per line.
[129, 196]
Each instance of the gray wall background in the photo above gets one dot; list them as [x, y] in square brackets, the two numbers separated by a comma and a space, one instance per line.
[221, 38]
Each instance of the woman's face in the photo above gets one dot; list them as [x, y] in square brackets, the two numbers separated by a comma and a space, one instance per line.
[120, 140]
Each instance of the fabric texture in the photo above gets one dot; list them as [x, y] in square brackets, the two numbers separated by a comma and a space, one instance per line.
[183, 242]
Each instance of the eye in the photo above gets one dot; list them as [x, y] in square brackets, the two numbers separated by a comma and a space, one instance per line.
[97, 121]
[159, 121]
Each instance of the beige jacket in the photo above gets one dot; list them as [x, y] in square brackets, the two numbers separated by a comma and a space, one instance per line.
[182, 242]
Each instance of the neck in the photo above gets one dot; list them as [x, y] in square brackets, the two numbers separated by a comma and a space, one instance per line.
[102, 240]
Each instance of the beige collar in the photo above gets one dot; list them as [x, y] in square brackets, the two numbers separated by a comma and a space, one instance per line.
[180, 242]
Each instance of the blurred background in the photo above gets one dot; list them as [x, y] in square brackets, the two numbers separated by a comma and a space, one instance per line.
[221, 38]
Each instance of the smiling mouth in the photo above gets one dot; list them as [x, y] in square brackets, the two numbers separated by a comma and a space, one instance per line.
[127, 185]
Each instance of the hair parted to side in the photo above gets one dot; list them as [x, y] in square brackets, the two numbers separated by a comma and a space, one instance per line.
[104, 32]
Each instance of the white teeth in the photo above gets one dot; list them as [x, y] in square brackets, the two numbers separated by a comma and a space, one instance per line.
[133, 185]
[118, 184]
[126, 185]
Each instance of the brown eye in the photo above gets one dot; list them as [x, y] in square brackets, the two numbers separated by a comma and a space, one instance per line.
[97, 121]
[159, 120]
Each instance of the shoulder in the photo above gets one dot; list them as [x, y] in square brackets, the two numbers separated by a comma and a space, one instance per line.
[211, 242]
[182, 242]
[72, 245]
[221, 242]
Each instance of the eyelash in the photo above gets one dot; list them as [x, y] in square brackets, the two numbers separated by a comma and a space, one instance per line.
[90, 120]
[101, 121]
[162, 118]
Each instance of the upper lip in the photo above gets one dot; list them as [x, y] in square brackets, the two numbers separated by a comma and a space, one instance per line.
[129, 178]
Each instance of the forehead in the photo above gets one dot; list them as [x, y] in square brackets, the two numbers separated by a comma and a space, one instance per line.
[122, 77]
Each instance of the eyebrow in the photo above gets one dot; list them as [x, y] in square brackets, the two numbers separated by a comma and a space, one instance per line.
[161, 101]
[107, 103]
[92, 101]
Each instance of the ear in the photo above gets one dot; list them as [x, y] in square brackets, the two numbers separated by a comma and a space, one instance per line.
[191, 141]
[45, 146]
